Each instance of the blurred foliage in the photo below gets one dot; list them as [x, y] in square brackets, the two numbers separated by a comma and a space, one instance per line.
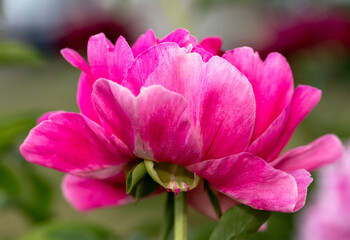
[14, 53]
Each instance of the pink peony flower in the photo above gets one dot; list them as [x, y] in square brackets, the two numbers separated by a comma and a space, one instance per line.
[321, 220]
[225, 119]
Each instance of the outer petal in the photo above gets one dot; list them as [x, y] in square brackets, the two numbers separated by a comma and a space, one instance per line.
[323, 150]
[181, 37]
[212, 44]
[155, 124]
[75, 59]
[251, 181]
[303, 179]
[144, 42]
[272, 83]
[72, 143]
[86, 194]
[204, 53]
[46, 116]
[221, 101]
[273, 140]
[147, 62]
[199, 200]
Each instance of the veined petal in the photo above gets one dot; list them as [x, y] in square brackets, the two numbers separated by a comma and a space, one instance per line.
[181, 37]
[251, 181]
[273, 140]
[147, 62]
[75, 59]
[86, 194]
[46, 116]
[303, 180]
[324, 150]
[221, 101]
[204, 53]
[212, 45]
[74, 144]
[144, 42]
[155, 124]
[272, 83]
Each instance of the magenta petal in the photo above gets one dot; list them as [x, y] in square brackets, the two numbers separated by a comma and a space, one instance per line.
[86, 194]
[144, 42]
[98, 53]
[181, 37]
[147, 62]
[204, 53]
[212, 44]
[303, 179]
[155, 124]
[273, 140]
[272, 83]
[75, 59]
[251, 181]
[322, 151]
[74, 144]
[46, 116]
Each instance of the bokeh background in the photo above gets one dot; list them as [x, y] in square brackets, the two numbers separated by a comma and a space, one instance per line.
[313, 35]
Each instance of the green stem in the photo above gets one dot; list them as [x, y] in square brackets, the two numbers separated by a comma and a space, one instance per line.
[180, 221]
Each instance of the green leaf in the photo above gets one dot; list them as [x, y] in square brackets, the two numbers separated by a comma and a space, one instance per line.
[19, 53]
[171, 176]
[239, 223]
[9, 183]
[213, 199]
[169, 218]
[69, 231]
[135, 175]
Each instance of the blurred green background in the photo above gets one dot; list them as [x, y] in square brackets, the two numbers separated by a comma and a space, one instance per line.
[34, 79]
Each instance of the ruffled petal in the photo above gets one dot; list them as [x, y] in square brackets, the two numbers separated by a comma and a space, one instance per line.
[181, 37]
[147, 62]
[87, 194]
[221, 101]
[273, 140]
[144, 42]
[322, 151]
[272, 83]
[74, 144]
[155, 124]
[212, 45]
[251, 181]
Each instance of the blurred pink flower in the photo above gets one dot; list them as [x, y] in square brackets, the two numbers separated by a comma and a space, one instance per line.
[327, 216]
[224, 118]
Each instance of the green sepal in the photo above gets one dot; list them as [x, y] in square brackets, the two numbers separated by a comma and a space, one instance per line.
[143, 188]
[213, 199]
[239, 223]
[171, 176]
[135, 175]
[168, 218]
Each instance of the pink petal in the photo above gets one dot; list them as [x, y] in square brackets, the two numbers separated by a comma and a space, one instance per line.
[199, 200]
[120, 60]
[251, 181]
[322, 151]
[273, 140]
[147, 62]
[212, 44]
[144, 42]
[86, 194]
[75, 59]
[74, 144]
[221, 101]
[98, 52]
[204, 53]
[272, 83]
[46, 116]
[181, 37]
[303, 179]
[155, 124]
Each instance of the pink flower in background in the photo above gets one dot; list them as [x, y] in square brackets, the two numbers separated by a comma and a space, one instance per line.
[225, 119]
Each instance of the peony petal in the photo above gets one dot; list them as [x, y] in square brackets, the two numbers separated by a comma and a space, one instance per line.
[272, 83]
[251, 181]
[147, 62]
[221, 101]
[46, 116]
[144, 42]
[98, 52]
[75, 59]
[322, 151]
[273, 140]
[204, 53]
[74, 144]
[155, 124]
[303, 179]
[181, 37]
[212, 45]
[199, 200]
[86, 194]
[120, 60]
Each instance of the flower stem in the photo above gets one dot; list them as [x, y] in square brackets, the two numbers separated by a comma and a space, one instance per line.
[180, 221]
